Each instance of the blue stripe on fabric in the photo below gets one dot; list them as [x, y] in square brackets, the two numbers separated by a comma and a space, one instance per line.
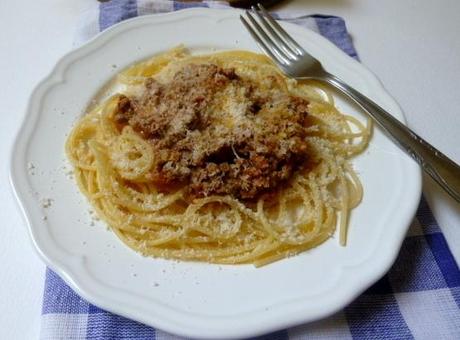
[426, 218]
[334, 29]
[280, 335]
[438, 246]
[114, 11]
[382, 287]
[455, 291]
[416, 268]
[376, 317]
[106, 325]
[60, 298]
[444, 259]
[184, 5]
[95, 310]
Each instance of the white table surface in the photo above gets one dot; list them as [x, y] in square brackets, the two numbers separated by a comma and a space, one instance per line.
[413, 46]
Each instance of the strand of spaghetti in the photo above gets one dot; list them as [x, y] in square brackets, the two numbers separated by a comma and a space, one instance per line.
[356, 185]
[291, 252]
[345, 199]
[215, 255]
[252, 256]
[266, 225]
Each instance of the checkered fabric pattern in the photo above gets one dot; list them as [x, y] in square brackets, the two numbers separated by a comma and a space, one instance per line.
[419, 298]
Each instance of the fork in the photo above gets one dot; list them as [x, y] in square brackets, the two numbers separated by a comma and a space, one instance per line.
[296, 63]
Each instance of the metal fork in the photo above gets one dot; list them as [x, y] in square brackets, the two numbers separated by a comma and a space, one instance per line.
[295, 62]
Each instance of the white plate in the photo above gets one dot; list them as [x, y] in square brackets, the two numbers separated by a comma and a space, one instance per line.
[195, 299]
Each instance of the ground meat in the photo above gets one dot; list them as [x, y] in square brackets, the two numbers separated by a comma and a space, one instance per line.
[218, 133]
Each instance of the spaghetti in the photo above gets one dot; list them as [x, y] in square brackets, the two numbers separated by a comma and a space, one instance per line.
[113, 166]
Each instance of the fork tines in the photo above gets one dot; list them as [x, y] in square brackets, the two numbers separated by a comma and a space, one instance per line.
[270, 36]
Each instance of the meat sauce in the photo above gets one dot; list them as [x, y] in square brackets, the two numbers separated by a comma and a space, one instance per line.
[218, 133]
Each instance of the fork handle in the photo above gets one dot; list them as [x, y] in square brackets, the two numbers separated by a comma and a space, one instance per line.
[442, 169]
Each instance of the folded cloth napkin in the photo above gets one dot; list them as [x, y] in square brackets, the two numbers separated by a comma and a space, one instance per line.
[418, 298]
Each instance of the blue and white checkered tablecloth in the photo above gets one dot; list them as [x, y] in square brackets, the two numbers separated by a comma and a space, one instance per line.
[418, 298]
